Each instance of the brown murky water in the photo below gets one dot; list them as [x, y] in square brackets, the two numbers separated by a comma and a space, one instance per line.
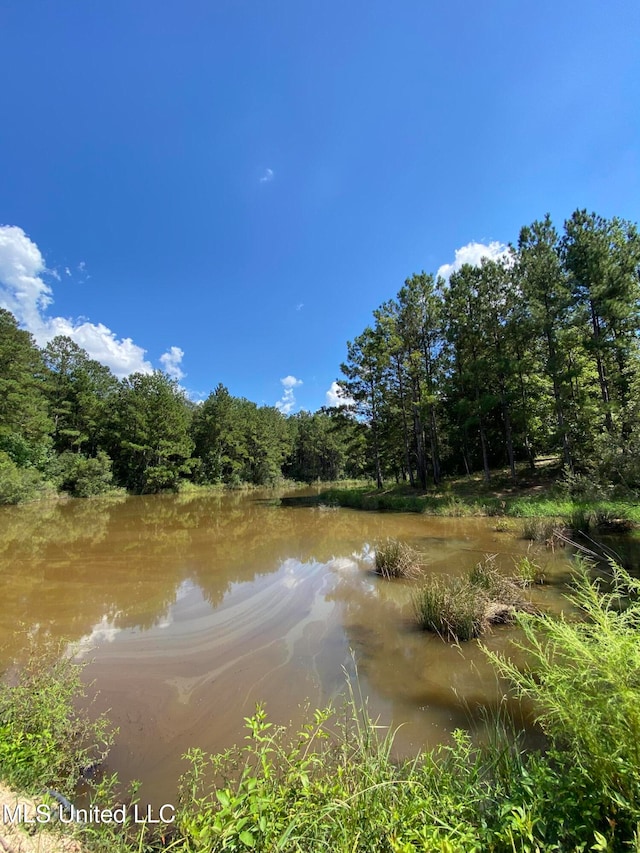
[193, 609]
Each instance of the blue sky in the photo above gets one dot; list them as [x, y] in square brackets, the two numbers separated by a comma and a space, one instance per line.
[244, 182]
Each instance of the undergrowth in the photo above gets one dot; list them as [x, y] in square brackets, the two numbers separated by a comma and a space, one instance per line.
[44, 740]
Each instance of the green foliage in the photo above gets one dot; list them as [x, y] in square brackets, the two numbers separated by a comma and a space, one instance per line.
[18, 485]
[149, 434]
[584, 676]
[84, 477]
[535, 353]
[80, 391]
[238, 442]
[44, 739]
[24, 424]
[319, 447]
[529, 572]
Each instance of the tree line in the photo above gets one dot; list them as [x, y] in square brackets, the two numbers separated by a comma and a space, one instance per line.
[535, 352]
[67, 423]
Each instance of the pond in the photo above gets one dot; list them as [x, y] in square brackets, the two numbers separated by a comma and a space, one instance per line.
[191, 609]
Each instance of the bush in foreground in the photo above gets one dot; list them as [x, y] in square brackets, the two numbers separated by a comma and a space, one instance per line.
[584, 677]
[44, 740]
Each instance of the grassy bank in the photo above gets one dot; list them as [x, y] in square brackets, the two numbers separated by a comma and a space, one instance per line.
[333, 785]
[469, 497]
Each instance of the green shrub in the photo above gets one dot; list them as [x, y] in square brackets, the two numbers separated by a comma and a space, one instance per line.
[85, 476]
[44, 739]
[18, 485]
[584, 677]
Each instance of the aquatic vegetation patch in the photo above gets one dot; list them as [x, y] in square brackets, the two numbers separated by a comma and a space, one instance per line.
[528, 572]
[459, 609]
[394, 559]
[451, 608]
[544, 530]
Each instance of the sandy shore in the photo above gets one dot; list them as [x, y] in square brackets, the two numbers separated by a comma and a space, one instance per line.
[17, 835]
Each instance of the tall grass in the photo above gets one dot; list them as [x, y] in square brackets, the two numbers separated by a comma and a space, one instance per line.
[559, 510]
[584, 677]
[542, 529]
[451, 608]
[460, 609]
[395, 559]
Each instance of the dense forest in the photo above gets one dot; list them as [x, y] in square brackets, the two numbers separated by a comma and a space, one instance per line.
[532, 354]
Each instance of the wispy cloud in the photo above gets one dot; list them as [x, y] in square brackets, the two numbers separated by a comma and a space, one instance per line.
[170, 362]
[25, 293]
[472, 254]
[288, 400]
[299, 306]
[335, 397]
[268, 176]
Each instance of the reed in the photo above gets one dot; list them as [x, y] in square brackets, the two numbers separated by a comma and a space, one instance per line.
[454, 609]
[394, 559]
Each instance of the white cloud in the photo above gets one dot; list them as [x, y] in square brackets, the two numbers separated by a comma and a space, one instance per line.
[119, 354]
[267, 177]
[25, 293]
[22, 289]
[67, 271]
[104, 631]
[288, 400]
[335, 397]
[299, 306]
[472, 254]
[170, 361]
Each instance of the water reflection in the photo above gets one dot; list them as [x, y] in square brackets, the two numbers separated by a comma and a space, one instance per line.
[194, 608]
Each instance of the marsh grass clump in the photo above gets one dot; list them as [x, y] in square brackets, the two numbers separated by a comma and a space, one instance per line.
[460, 609]
[541, 529]
[499, 588]
[396, 559]
[452, 608]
